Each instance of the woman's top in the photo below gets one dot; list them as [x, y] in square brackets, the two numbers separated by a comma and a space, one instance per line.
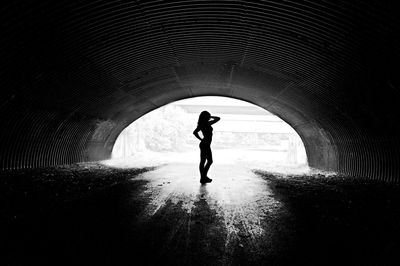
[207, 132]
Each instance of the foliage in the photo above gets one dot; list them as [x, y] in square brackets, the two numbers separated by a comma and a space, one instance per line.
[165, 130]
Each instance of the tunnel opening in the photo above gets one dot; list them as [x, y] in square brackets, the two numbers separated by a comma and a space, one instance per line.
[247, 134]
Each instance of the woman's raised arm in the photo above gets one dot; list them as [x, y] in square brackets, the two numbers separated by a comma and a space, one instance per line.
[214, 119]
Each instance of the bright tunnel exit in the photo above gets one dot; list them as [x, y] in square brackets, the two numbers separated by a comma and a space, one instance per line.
[246, 135]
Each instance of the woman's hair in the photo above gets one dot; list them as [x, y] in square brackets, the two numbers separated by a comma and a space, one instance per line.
[203, 118]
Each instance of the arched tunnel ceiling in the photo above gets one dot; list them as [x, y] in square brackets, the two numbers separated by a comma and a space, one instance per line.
[74, 74]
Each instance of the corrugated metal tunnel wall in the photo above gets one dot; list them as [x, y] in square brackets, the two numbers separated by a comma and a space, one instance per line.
[74, 74]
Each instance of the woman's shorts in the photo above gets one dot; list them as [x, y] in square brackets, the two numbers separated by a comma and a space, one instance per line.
[205, 150]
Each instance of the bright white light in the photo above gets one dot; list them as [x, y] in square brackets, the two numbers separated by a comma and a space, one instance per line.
[246, 134]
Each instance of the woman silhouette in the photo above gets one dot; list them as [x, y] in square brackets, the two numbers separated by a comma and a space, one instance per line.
[204, 125]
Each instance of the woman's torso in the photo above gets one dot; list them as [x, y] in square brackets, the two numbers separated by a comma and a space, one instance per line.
[207, 133]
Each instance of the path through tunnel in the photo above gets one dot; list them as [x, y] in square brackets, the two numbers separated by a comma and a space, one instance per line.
[74, 75]
[91, 214]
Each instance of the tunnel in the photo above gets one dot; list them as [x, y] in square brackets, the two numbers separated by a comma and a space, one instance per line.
[75, 74]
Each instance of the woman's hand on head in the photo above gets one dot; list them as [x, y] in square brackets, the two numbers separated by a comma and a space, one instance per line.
[214, 119]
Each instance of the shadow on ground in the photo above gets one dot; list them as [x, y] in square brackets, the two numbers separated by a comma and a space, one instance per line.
[340, 221]
[120, 221]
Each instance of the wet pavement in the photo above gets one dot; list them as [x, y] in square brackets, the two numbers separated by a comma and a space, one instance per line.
[164, 216]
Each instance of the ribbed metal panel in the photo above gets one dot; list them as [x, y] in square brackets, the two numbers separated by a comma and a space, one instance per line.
[329, 68]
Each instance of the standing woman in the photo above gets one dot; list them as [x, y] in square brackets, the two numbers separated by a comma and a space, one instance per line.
[204, 125]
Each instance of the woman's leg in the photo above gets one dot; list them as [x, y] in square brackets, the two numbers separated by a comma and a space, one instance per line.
[201, 166]
[205, 162]
[209, 161]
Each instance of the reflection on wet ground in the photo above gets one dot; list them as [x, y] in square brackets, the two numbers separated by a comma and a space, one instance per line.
[232, 220]
[166, 217]
[239, 198]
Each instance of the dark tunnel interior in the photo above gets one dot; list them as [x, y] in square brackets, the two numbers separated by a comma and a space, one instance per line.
[74, 74]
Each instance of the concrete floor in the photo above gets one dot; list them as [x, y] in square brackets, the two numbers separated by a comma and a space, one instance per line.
[96, 215]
